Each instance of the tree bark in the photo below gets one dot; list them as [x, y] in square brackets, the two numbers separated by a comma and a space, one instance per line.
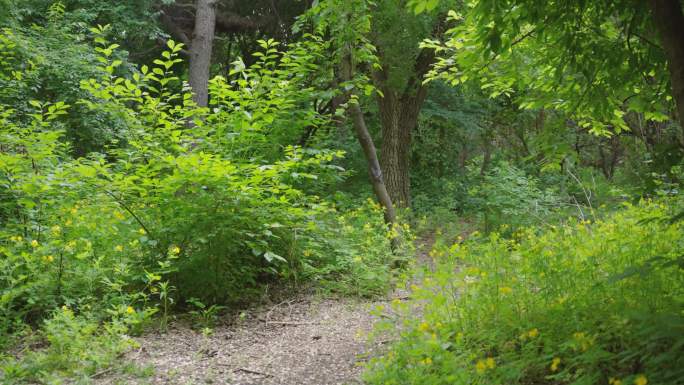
[669, 20]
[200, 50]
[399, 117]
[399, 111]
[369, 151]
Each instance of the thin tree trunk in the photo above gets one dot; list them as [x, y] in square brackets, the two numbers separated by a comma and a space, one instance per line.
[669, 20]
[366, 142]
[200, 50]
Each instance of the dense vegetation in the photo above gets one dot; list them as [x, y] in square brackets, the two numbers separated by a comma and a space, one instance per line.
[165, 159]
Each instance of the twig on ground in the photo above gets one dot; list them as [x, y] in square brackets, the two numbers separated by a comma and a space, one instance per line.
[253, 372]
[101, 372]
[291, 323]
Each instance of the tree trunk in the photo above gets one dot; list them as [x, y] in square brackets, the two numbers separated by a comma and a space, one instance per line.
[399, 111]
[669, 20]
[200, 50]
[366, 142]
[398, 117]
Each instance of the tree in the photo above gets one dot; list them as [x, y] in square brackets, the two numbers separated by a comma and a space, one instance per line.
[594, 61]
[200, 51]
[397, 33]
[669, 20]
[197, 23]
[347, 23]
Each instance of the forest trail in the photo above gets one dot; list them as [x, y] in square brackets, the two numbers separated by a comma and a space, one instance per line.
[306, 340]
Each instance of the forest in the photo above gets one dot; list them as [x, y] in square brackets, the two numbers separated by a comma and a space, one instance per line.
[329, 192]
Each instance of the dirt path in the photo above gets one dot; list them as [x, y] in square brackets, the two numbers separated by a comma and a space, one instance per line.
[302, 341]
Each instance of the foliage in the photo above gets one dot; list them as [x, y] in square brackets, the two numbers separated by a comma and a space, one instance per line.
[204, 204]
[508, 196]
[583, 303]
[352, 252]
[78, 347]
[589, 61]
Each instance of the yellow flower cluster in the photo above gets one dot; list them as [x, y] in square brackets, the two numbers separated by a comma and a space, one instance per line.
[482, 365]
[554, 364]
[424, 327]
[583, 341]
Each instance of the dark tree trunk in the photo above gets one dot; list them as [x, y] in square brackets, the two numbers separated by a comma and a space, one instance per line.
[669, 20]
[366, 142]
[399, 111]
[200, 50]
[399, 117]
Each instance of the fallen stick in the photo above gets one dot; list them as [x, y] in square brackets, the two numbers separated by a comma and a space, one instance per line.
[101, 372]
[253, 372]
[290, 323]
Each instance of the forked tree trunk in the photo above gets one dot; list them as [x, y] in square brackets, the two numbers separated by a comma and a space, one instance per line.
[669, 20]
[366, 142]
[200, 50]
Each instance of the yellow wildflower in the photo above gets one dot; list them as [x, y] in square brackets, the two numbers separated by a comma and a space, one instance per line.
[554, 364]
[614, 381]
[640, 380]
[48, 258]
[68, 222]
[533, 333]
[118, 248]
[423, 327]
[56, 230]
[141, 231]
[307, 253]
[34, 243]
[426, 361]
[130, 310]
[490, 362]
[505, 290]
[73, 210]
[481, 366]
[175, 250]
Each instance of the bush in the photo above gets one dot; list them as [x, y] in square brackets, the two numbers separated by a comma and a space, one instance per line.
[195, 203]
[507, 195]
[587, 303]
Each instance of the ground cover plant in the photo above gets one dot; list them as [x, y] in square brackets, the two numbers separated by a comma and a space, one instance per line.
[583, 303]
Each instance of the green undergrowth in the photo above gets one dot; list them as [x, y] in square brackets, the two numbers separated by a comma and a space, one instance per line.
[580, 303]
[191, 206]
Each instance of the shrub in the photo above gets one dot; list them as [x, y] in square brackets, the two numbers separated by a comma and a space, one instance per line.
[587, 303]
[507, 195]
